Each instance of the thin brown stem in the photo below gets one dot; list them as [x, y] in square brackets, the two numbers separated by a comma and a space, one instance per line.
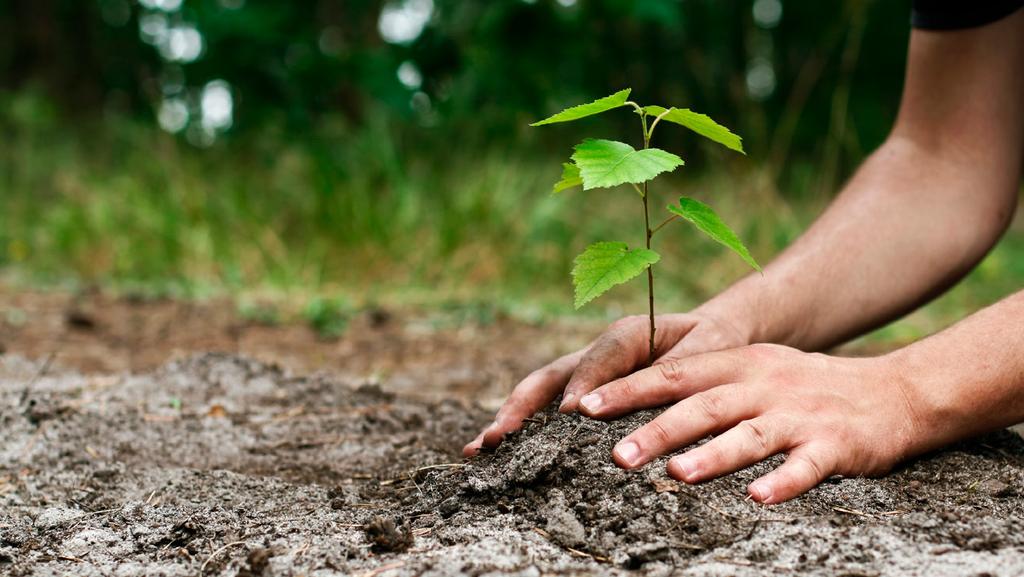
[650, 281]
[650, 271]
[663, 223]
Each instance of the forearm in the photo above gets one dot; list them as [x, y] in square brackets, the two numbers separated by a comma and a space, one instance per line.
[921, 211]
[908, 225]
[968, 379]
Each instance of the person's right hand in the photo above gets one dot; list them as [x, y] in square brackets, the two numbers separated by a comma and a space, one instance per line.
[620, 350]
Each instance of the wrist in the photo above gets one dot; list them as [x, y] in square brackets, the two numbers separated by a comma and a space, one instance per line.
[912, 420]
[730, 323]
[741, 308]
[937, 414]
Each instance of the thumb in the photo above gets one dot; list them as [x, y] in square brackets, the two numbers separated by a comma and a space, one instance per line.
[707, 336]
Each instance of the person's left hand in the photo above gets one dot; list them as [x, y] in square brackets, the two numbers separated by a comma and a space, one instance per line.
[830, 415]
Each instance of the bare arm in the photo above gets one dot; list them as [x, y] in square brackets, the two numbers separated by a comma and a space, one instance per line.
[920, 212]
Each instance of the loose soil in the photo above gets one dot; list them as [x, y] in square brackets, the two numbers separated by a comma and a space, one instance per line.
[219, 464]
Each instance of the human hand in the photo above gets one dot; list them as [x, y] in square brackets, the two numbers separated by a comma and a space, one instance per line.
[620, 350]
[830, 415]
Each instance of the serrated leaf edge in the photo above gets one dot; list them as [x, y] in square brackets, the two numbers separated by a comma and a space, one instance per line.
[745, 254]
[577, 304]
[587, 186]
[625, 92]
[658, 110]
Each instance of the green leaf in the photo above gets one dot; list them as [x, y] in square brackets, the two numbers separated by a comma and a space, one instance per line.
[705, 219]
[570, 177]
[607, 163]
[583, 110]
[701, 124]
[606, 264]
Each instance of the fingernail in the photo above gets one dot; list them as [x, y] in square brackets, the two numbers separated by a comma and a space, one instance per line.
[628, 453]
[761, 491]
[566, 400]
[688, 469]
[592, 402]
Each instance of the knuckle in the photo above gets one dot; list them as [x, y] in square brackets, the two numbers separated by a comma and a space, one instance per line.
[764, 350]
[757, 349]
[565, 363]
[626, 388]
[545, 374]
[818, 357]
[757, 434]
[616, 325]
[818, 361]
[709, 404]
[585, 374]
[815, 465]
[658, 433]
[610, 343]
[626, 323]
[670, 371]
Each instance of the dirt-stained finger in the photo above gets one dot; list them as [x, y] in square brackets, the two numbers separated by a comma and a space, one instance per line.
[686, 422]
[529, 396]
[473, 447]
[663, 383]
[623, 348]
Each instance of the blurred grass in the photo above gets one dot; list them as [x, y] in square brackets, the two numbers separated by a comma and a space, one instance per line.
[373, 216]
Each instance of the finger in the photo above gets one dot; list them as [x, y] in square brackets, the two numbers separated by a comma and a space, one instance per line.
[619, 351]
[747, 443]
[686, 422]
[664, 383]
[704, 338]
[530, 395]
[473, 447]
[804, 469]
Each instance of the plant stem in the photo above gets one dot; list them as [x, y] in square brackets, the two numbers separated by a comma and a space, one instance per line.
[650, 270]
[663, 223]
[650, 281]
[650, 132]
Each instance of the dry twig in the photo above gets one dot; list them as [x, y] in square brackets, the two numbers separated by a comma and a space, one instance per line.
[218, 552]
[383, 568]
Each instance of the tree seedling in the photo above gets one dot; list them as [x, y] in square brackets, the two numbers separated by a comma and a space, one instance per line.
[609, 163]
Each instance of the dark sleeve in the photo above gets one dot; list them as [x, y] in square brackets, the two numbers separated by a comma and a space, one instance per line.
[953, 14]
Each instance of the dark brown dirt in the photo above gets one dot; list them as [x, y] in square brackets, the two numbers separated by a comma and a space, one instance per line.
[222, 465]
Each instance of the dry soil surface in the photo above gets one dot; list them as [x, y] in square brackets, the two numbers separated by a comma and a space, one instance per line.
[463, 350]
[217, 464]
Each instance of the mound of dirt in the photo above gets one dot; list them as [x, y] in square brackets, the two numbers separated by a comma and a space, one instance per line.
[222, 465]
[952, 512]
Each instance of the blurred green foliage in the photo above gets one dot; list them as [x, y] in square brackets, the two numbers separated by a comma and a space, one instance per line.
[783, 74]
[380, 149]
[328, 317]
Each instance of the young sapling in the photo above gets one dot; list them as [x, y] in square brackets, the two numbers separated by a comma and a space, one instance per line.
[609, 163]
